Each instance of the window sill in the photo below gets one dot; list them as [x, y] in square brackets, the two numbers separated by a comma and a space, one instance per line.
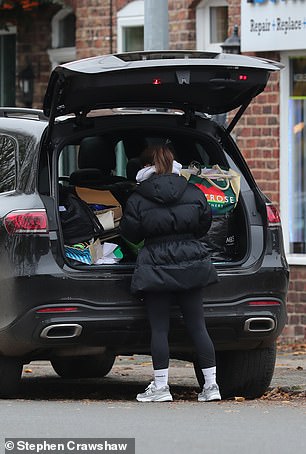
[296, 259]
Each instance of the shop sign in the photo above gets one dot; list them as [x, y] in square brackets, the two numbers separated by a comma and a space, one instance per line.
[268, 25]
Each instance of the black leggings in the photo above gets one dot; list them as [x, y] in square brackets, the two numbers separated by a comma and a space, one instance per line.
[191, 304]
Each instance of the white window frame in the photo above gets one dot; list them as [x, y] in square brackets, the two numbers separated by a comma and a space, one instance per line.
[58, 55]
[10, 31]
[293, 259]
[132, 15]
[203, 25]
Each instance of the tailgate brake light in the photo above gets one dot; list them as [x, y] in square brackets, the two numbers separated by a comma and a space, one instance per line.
[26, 221]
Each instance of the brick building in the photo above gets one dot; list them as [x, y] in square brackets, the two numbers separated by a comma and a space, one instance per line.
[272, 132]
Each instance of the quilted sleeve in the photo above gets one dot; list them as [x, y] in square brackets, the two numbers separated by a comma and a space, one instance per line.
[130, 225]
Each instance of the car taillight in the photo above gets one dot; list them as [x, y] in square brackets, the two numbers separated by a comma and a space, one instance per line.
[26, 221]
[50, 310]
[264, 303]
[272, 215]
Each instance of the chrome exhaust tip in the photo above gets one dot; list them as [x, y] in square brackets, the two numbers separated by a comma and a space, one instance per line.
[61, 331]
[259, 325]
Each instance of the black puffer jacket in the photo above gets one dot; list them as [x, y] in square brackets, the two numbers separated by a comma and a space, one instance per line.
[170, 214]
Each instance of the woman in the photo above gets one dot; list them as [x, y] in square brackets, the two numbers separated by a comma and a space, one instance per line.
[170, 214]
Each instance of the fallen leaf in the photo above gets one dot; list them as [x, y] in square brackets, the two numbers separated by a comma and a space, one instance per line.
[239, 399]
[28, 371]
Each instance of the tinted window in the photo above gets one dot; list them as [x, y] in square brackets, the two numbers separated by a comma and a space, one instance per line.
[8, 151]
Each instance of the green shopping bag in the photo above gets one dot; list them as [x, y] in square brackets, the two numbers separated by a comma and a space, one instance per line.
[135, 248]
[221, 188]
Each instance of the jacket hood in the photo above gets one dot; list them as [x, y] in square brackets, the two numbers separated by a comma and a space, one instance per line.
[163, 189]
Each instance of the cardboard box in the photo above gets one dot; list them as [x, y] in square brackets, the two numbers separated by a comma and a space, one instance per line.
[101, 197]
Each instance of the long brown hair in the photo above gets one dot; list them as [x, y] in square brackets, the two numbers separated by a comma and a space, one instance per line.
[160, 156]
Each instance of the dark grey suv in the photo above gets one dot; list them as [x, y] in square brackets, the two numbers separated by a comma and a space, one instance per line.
[98, 115]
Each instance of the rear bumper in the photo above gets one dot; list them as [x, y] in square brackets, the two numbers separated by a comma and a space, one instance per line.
[125, 329]
[107, 315]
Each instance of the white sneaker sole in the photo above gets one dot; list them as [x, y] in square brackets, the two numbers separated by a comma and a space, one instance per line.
[212, 398]
[168, 398]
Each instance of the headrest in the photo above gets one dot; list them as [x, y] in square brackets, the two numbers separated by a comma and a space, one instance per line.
[82, 177]
[134, 145]
[96, 152]
[132, 168]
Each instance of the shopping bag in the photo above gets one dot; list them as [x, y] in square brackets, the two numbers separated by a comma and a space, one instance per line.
[220, 186]
[111, 254]
[78, 221]
[221, 240]
[135, 248]
[81, 252]
[94, 253]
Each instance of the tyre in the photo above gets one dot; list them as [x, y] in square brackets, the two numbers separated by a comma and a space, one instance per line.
[84, 366]
[10, 375]
[245, 373]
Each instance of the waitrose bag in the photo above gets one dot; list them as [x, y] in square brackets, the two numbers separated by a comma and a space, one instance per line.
[221, 188]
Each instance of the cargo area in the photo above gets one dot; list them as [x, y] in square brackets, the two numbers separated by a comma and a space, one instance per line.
[97, 175]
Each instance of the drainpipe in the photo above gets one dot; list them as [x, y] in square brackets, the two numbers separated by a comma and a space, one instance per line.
[110, 26]
[156, 29]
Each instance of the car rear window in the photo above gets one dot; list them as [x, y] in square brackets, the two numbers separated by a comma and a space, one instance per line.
[8, 161]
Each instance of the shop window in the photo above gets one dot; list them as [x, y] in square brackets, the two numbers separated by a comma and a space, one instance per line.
[130, 27]
[7, 68]
[297, 155]
[211, 24]
[293, 155]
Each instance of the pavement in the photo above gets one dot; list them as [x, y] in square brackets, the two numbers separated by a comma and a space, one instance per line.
[289, 374]
[290, 370]
[130, 374]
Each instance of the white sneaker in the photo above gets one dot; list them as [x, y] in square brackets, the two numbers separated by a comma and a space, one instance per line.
[209, 394]
[153, 394]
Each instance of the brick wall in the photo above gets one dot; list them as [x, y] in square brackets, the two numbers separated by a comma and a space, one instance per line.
[257, 134]
[33, 40]
[258, 137]
[94, 29]
[182, 27]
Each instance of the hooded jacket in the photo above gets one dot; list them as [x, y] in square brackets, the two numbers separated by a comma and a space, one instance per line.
[171, 215]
